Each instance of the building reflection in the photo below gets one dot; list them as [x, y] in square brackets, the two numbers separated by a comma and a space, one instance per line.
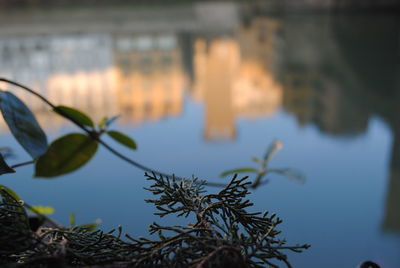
[337, 74]
[63, 69]
[234, 77]
[149, 77]
[215, 66]
[257, 91]
[143, 77]
[139, 76]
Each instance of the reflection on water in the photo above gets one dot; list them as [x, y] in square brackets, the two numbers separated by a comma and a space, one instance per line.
[324, 73]
[144, 75]
[332, 72]
[149, 79]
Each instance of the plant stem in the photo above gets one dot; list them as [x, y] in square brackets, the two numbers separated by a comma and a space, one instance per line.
[92, 135]
[29, 90]
[23, 164]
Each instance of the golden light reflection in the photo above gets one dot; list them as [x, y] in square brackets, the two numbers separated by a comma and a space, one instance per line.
[143, 77]
[149, 84]
[215, 66]
[233, 77]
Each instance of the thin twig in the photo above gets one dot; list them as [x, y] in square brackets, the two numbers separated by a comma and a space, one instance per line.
[212, 254]
[29, 90]
[93, 135]
[23, 164]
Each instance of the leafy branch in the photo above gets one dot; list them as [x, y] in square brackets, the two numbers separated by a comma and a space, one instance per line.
[223, 226]
[55, 160]
[264, 168]
[58, 159]
[224, 234]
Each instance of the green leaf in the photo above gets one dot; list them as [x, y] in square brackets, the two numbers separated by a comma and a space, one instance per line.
[102, 122]
[75, 114]
[65, 155]
[90, 226]
[10, 192]
[23, 124]
[72, 220]
[257, 160]
[122, 138]
[272, 150]
[4, 168]
[108, 121]
[289, 173]
[43, 210]
[238, 170]
[112, 119]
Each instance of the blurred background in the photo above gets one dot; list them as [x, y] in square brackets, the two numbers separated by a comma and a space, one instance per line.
[203, 86]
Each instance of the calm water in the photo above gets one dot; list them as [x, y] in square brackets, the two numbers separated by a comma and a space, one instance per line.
[203, 92]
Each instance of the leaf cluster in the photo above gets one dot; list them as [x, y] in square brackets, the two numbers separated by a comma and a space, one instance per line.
[263, 170]
[67, 153]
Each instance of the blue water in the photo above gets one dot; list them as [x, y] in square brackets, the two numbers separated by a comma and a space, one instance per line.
[343, 206]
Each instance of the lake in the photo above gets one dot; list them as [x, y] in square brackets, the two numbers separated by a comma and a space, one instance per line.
[204, 88]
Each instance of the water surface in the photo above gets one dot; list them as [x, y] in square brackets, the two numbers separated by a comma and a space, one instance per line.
[202, 94]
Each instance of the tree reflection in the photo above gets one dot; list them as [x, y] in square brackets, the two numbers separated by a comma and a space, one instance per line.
[339, 72]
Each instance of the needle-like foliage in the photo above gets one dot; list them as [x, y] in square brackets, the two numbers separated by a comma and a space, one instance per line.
[224, 233]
